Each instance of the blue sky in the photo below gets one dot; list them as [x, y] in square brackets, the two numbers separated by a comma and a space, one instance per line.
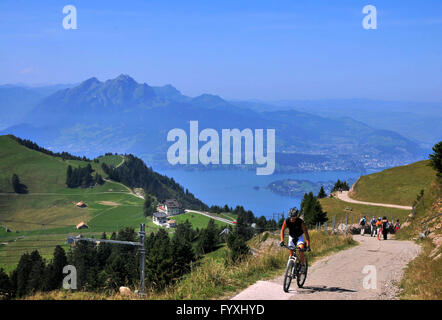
[255, 49]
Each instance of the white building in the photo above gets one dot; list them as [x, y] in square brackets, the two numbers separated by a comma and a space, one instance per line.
[160, 218]
[170, 207]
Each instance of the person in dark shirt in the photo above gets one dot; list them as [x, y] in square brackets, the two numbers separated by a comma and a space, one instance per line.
[298, 233]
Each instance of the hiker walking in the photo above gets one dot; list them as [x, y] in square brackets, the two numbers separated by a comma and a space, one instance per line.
[362, 223]
[373, 226]
[397, 226]
[379, 227]
[385, 226]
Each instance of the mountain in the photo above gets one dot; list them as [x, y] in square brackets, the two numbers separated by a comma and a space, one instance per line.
[121, 115]
[16, 101]
[418, 121]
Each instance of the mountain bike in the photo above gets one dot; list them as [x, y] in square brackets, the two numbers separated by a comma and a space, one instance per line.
[293, 269]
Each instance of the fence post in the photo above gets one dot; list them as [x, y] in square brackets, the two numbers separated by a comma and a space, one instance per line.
[142, 258]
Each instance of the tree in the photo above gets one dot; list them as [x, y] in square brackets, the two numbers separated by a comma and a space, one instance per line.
[183, 253]
[54, 270]
[322, 193]
[436, 158]
[69, 176]
[159, 260]
[340, 186]
[36, 279]
[237, 245]
[23, 270]
[17, 186]
[150, 205]
[84, 257]
[98, 179]
[6, 288]
[208, 239]
[312, 210]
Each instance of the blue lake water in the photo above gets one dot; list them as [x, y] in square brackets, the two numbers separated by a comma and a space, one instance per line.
[234, 187]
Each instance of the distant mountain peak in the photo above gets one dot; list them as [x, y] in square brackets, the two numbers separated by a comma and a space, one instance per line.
[125, 78]
[90, 81]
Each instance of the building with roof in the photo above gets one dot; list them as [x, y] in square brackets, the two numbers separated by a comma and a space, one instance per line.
[159, 218]
[82, 225]
[81, 204]
[171, 207]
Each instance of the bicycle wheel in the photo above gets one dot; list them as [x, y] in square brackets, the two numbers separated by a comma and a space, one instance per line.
[300, 279]
[289, 275]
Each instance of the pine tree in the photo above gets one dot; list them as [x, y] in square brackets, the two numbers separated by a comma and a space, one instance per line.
[6, 288]
[69, 176]
[159, 260]
[150, 205]
[24, 268]
[436, 158]
[322, 193]
[17, 186]
[312, 210]
[183, 253]
[54, 270]
[208, 239]
[238, 246]
[37, 275]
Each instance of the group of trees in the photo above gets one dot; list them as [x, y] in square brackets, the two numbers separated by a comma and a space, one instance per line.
[64, 155]
[135, 174]
[17, 185]
[312, 210]
[340, 186]
[247, 217]
[33, 274]
[106, 267]
[82, 177]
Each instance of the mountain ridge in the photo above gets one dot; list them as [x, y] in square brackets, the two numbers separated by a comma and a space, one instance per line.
[125, 116]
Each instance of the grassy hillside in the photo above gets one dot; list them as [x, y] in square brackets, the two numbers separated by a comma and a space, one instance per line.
[47, 214]
[336, 207]
[423, 276]
[398, 185]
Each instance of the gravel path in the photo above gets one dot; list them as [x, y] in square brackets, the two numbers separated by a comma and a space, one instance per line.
[343, 195]
[210, 216]
[340, 276]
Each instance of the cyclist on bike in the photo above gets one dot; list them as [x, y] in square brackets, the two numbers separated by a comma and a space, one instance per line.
[298, 234]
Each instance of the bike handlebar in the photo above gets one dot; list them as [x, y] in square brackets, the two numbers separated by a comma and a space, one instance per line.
[296, 248]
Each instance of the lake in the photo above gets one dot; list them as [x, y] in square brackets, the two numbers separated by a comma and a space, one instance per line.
[235, 187]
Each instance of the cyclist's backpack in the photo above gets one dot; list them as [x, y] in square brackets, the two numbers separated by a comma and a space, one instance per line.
[385, 225]
[362, 222]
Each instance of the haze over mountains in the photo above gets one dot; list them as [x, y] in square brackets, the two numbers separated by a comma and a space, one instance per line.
[121, 115]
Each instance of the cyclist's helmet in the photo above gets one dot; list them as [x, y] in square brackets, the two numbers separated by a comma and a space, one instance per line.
[294, 212]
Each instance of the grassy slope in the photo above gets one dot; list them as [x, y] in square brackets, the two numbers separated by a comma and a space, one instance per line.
[110, 206]
[197, 220]
[399, 185]
[336, 207]
[423, 276]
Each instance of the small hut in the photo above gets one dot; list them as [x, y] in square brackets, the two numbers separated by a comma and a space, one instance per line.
[82, 225]
[81, 204]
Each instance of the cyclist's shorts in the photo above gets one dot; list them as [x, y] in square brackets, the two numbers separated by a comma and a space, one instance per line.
[300, 241]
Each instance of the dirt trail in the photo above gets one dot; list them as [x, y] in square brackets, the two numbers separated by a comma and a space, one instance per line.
[340, 276]
[343, 195]
[210, 216]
